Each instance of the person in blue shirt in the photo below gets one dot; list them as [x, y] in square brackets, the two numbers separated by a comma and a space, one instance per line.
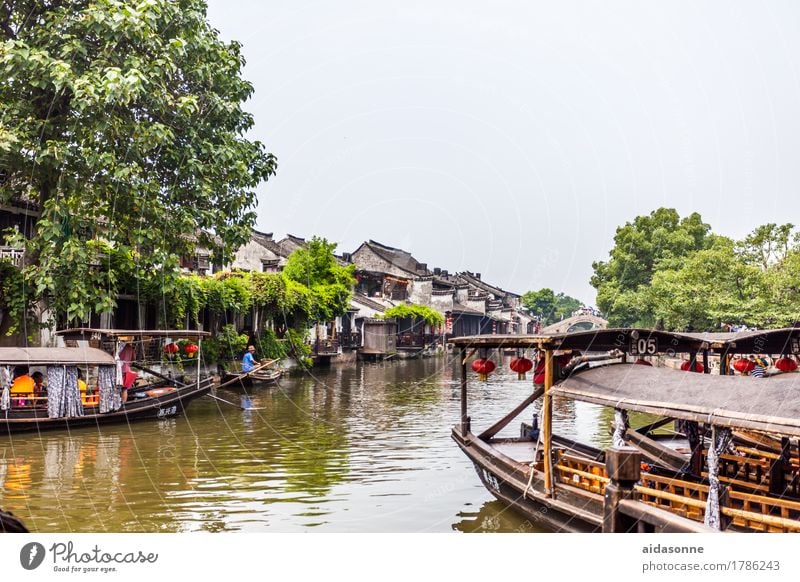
[248, 361]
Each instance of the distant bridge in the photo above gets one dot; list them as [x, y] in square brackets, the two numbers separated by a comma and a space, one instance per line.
[576, 323]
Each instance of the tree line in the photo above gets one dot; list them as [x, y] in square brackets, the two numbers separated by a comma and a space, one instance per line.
[671, 272]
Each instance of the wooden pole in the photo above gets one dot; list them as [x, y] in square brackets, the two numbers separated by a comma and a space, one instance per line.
[547, 422]
[706, 368]
[623, 465]
[503, 422]
[464, 418]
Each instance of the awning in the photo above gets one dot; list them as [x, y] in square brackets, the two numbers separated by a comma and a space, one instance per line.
[647, 341]
[54, 356]
[85, 333]
[767, 404]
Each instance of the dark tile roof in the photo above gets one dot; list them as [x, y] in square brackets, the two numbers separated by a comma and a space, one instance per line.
[463, 309]
[367, 302]
[474, 281]
[399, 258]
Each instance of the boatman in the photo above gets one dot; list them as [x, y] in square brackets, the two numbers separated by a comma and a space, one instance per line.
[248, 361]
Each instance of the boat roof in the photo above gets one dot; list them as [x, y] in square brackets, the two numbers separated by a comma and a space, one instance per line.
[54, 356]
[766, 404]
[87, 332]
[774, 341]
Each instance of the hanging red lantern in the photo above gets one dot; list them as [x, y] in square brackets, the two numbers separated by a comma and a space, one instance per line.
[743, 365]
[191, 349]
[786, 364]
[687, 366]
[483, 367]
[520, 366]
[171, 349]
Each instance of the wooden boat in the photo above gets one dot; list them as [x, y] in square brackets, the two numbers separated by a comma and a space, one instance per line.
[730, 466]
[160, 396]
[259, 377]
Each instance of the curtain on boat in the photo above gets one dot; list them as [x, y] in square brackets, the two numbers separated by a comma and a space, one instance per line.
[621, 425]
[63, 396]
[5, 387]
[721, 438]
[110, 396]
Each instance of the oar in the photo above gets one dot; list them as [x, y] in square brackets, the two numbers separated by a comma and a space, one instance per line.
[246, 374]
[249, 404]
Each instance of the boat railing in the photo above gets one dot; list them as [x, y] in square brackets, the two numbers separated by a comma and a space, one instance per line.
[583, 473]
[748, 509]
[758, 471]
[21, 400]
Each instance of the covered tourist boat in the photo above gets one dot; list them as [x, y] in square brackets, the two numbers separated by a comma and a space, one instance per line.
[83, 385]
[718, 452]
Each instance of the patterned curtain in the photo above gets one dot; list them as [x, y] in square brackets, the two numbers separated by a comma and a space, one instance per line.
[5, 387]
[63, 396]
[110, 395]
[721, 438]
[621, 425]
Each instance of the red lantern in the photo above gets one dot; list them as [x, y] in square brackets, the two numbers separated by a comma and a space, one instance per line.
[687, 366]
[171, 349]
[520, 366]
[743, 365]
[786, 365]
[483, 367]
[190, 349]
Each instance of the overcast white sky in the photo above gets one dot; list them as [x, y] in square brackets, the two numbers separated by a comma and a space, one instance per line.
[512, 138]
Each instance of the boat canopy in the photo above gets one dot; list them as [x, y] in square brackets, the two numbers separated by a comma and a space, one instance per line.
[767, 404]
[85, 333]
[646, 341]
[54, 357]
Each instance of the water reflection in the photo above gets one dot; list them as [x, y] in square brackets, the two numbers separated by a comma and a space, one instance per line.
[351, 448]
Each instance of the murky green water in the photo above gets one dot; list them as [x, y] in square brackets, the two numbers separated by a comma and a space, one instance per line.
[348, 449]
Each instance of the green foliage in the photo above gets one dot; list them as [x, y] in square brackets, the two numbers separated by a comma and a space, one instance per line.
[329, 283]
[661, 240]
[298, 347]
[413, 311]
[269, 346]
[549, 306]
[14, 298]
[768, 245]
[227, 345]
[123, 121]
[227, 291]
[711, 287]
[755, 282]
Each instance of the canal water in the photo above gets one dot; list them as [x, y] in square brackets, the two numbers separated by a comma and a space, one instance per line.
[361, 448]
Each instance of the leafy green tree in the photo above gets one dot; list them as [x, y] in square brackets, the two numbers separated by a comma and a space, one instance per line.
[710, 288]
[330, 283]
[123, 121]
[769, 244]
[660, 240]
[549, 306]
